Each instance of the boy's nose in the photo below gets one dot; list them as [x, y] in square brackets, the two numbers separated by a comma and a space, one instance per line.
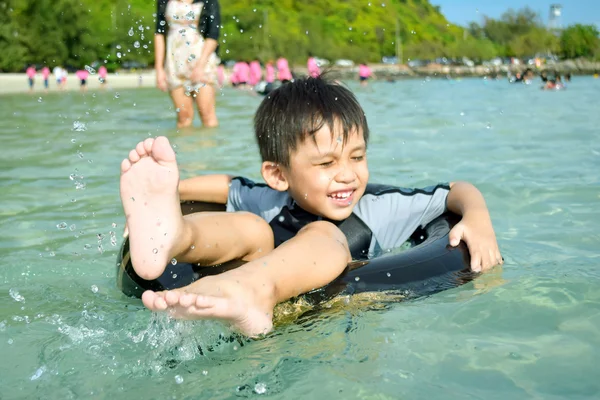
[345, 175]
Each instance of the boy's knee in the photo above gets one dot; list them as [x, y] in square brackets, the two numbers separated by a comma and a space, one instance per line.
[258, 232]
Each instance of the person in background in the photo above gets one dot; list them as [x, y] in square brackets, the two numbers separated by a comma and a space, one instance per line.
[185, 47]
[57, 71]
[255, 73]
[82, 75]
[30, 71]
[270, 72]
[283, 70]
[102, 75]
[313, 68]
[241, 70]
[568, 77]
[64, 74]
[364, 73]
[45, 75]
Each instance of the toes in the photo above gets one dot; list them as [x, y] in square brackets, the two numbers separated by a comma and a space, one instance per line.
[141, 149]
[187, 299]
[153, 301]
[172, 298]
[134, 156]
[147, 144]
[125, 165]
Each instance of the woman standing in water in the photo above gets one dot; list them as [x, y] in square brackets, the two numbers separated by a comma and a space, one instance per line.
[187, 31]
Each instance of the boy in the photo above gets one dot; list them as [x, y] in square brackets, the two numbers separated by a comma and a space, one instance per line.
[312, 136]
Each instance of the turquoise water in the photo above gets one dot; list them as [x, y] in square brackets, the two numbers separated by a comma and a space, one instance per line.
[529, 330]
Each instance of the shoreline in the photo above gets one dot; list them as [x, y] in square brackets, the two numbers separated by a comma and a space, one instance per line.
[14, 83]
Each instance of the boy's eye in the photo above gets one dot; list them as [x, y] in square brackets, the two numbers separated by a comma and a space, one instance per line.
[358, 158]
[326, 164]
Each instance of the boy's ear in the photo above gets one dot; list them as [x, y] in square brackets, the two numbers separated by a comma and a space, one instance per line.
[273, 175]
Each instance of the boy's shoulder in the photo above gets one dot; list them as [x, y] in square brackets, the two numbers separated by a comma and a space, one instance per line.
[393, 213]
[258, 198]
[375, 191]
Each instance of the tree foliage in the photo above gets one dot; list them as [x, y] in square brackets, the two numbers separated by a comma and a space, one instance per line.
[580, 41]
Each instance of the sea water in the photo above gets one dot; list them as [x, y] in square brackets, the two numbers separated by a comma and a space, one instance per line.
[527, 330]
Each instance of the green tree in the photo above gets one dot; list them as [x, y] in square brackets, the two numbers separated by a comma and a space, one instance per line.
[580, 41]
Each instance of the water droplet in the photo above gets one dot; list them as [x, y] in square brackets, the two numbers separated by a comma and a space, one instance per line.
[79, 126]
[174, 276]
[89, 69]
[260, 388]
[94, 289]
[489, 126]
[39, 99]
[136, 44]
[357, 279]
[130, 32]
[388, 274]
[192, 247]
[173, 261]
[119, 54]
[117, 95]
[191, 58]
[62, 225]
[38, 373]
[178, 379]
[14, 293]
[281, 218]
[462, 114]
[155, 250]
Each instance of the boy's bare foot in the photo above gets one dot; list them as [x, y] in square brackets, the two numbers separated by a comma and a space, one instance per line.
[216, 298]
[149, 179]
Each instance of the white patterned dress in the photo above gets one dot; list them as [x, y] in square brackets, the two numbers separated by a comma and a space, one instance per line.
[184, 46]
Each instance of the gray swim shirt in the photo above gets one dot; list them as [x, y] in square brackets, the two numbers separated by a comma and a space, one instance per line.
[392, 213]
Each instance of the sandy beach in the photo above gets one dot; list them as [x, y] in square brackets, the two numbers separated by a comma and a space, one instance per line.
[18, 83]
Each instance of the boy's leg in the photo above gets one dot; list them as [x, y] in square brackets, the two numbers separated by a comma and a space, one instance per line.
[157, 230]
[247, 295]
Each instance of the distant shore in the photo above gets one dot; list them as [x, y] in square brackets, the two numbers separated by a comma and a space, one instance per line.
[18, 83]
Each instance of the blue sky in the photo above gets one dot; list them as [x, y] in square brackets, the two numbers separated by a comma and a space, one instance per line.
[462, 12]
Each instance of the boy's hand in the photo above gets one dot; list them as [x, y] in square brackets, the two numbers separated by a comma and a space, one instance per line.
[475, 229]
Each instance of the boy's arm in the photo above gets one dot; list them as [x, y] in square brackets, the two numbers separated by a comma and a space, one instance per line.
[208, 188]
[475, 227]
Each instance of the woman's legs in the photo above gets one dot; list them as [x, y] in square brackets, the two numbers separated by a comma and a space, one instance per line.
[205, 100]
[184, 106]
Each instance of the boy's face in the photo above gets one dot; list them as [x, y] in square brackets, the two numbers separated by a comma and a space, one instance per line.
[327, 177]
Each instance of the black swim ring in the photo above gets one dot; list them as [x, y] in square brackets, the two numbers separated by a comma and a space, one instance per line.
[429, 266]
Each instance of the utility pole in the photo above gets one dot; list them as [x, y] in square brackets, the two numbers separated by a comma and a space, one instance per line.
[398, 43]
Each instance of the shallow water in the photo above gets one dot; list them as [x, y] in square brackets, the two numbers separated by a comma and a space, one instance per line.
[527, 331]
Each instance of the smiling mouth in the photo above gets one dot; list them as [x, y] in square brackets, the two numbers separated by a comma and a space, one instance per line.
[342, 195]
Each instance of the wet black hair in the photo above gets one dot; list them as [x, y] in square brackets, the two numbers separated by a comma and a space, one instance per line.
[297, 110]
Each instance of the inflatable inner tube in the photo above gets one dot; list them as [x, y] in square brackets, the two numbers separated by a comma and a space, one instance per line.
[429, 266]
